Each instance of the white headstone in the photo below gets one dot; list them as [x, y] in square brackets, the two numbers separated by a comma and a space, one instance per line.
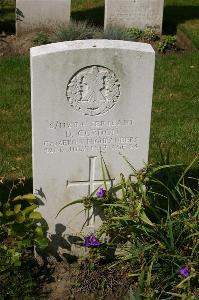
[87, 97]
[135, 13]
[41, 14]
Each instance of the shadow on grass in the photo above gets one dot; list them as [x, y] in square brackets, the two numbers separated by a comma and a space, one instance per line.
[14, 188]
[175, 15]
[94, 16]
[7, 24]
[168, 188]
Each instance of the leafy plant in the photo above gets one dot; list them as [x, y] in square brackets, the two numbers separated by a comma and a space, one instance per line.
[150, 222]
[20, 229]
[167, 43]
[20, 232]
[135, 33]
[41, 38]
[2, 3]
[150, 35]
[19, 223]
[116, 32]
[76, 31]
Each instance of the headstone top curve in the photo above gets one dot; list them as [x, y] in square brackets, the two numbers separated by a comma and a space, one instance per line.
[90, 44]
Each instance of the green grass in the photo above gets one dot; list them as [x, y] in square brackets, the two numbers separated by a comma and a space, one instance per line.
[177, 12]
[175, 107]
[15, 126]
[7, 16]
[191, 29]
[82, 5]
[91, 11]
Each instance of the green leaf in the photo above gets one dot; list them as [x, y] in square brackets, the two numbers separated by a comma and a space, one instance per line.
[115, 188]
[17, 208]
[185, 280]
[155, 170]
[15, 258]
[39, 231]
[137, 295]
[134, 275]
[187, 169]
[104, 172]
[166, 188]
[69, 204]
[27, 243]
[28, 197]
[126, 160]
[122, 218]
[116, 205]
[29, 209]
[175, 294]
[191, 235]
[20, 218]
[145, 219]
[41, 242]
[1, 214]
[170, 231]
[18, 198]
[148, 279]
[9, 213]
[35, 215]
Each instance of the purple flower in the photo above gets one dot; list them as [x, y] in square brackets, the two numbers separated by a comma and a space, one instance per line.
[101, 193]
[184, 271]
[90, 241]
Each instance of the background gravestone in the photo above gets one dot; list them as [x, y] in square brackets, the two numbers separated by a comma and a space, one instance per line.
[87, 97]
[41, 14]
[135, 13]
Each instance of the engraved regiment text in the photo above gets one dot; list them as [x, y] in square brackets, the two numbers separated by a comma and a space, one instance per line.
[91, 136]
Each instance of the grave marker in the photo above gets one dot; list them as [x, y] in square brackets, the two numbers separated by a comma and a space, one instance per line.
[134, 13]
[88, 98]
[41, 14]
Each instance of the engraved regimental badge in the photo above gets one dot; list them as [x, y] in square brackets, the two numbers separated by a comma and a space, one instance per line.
[93, 90]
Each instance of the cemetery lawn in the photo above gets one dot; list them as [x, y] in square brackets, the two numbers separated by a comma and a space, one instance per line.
[174, 132]
[174, 126]
[15, 129]
[191, 30]
[174, 129]
[7, 16]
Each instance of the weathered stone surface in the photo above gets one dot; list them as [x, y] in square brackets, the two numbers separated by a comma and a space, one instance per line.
[135, 13]
[87, 97]
[41, 14]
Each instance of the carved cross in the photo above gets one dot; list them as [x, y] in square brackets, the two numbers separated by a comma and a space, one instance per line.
[91, 183]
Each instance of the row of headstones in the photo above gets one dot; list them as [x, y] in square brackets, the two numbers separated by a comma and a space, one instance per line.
[32, 14]
[89, 98]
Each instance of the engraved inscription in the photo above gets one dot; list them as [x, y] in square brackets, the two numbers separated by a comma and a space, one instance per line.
[93, 136]
[136, 13]
[93, 91]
